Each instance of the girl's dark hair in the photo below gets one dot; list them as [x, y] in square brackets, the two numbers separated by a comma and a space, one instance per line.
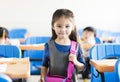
[6, 32]
[68, 14]
[91, 29]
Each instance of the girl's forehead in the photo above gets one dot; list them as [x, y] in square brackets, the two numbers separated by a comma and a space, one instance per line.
[63, 18]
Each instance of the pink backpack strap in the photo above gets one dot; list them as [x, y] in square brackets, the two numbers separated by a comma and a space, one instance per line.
[73, 47]
[70, 64]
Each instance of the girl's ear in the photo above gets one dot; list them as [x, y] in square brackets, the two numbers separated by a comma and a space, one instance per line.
[73, 28]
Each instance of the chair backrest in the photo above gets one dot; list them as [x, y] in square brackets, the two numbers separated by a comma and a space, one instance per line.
[35, 55]
[37, 39]
[103, 51]
[97, 40]
[117, 70]
[17, 33]
[10, 51]
[5, 78]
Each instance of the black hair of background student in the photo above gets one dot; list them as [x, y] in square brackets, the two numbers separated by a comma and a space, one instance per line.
[6, 32]
[90, 29]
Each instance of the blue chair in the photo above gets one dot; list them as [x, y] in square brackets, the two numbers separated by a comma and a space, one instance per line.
[117, 39]
[37, 39]
[103, 51]
[17, 33]
[35, 55]
[5, 78]
[97, 40]
[8, 51]
[117, 70]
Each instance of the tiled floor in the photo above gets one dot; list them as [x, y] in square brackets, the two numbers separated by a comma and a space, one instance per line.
[35, 78]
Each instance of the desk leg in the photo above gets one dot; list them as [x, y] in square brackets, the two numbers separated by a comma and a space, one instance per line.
[102, 76]
[22, 80]
[22, 53]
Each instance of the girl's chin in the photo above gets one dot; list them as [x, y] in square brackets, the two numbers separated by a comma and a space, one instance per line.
[62, 37]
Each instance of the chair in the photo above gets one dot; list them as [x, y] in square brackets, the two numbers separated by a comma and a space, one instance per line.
[17, 33]
[5, 78]
[117, 39]
[35, 55]
[103, 51]
[37, 39]
[117, 70]
[10, 51]
[97, 40]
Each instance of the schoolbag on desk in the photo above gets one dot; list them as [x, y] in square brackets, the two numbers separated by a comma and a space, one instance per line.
[69, 70]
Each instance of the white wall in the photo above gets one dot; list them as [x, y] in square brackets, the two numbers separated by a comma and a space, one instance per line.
[34, 14]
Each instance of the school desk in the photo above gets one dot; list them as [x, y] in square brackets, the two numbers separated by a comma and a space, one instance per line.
[15, 67]
[107, 39]
[105, 65]
[32, 47]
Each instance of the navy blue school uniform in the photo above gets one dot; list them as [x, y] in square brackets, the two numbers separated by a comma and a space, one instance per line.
[53, 48]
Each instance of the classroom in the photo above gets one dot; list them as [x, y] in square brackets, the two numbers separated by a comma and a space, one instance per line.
[27, 25]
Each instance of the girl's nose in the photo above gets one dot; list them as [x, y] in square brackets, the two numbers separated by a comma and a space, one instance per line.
[63, 29]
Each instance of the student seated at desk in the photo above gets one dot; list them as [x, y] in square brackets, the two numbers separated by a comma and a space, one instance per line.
[87, 40]
[4, 38]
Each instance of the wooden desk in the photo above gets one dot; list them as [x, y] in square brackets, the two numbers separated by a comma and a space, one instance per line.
[32, 47]
[21, 40]
[105, 65]
[108, 39]
[15, 67]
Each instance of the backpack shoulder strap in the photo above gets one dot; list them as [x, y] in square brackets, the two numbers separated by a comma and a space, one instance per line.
[70, 64]
[73, 47]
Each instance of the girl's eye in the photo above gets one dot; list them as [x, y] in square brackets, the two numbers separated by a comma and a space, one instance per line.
[67, 26]
[59, 26]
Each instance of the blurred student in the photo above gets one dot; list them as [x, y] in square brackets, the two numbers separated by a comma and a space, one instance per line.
[87, 40]
[4, 37]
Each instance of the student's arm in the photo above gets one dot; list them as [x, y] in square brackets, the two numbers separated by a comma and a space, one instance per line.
[44, 64]
[43, 74]
[78, 60]
[87, 46]
[78, 65]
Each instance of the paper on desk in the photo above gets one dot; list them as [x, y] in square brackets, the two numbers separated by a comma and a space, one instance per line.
[3, 67]
[6, 59]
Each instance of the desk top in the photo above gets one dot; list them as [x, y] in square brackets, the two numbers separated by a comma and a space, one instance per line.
[32, 47]
[21, 40]
[105, 65]
[107, 38]
[15, 67]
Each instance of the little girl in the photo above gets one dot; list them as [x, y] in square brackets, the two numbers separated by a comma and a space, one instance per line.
[56, 53]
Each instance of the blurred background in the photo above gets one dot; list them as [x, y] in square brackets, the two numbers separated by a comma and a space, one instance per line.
[37, 14]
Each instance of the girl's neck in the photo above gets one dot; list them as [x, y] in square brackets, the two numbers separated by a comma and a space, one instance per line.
[63, 41]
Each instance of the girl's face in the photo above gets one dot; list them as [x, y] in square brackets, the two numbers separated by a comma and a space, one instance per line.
[63, 27]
